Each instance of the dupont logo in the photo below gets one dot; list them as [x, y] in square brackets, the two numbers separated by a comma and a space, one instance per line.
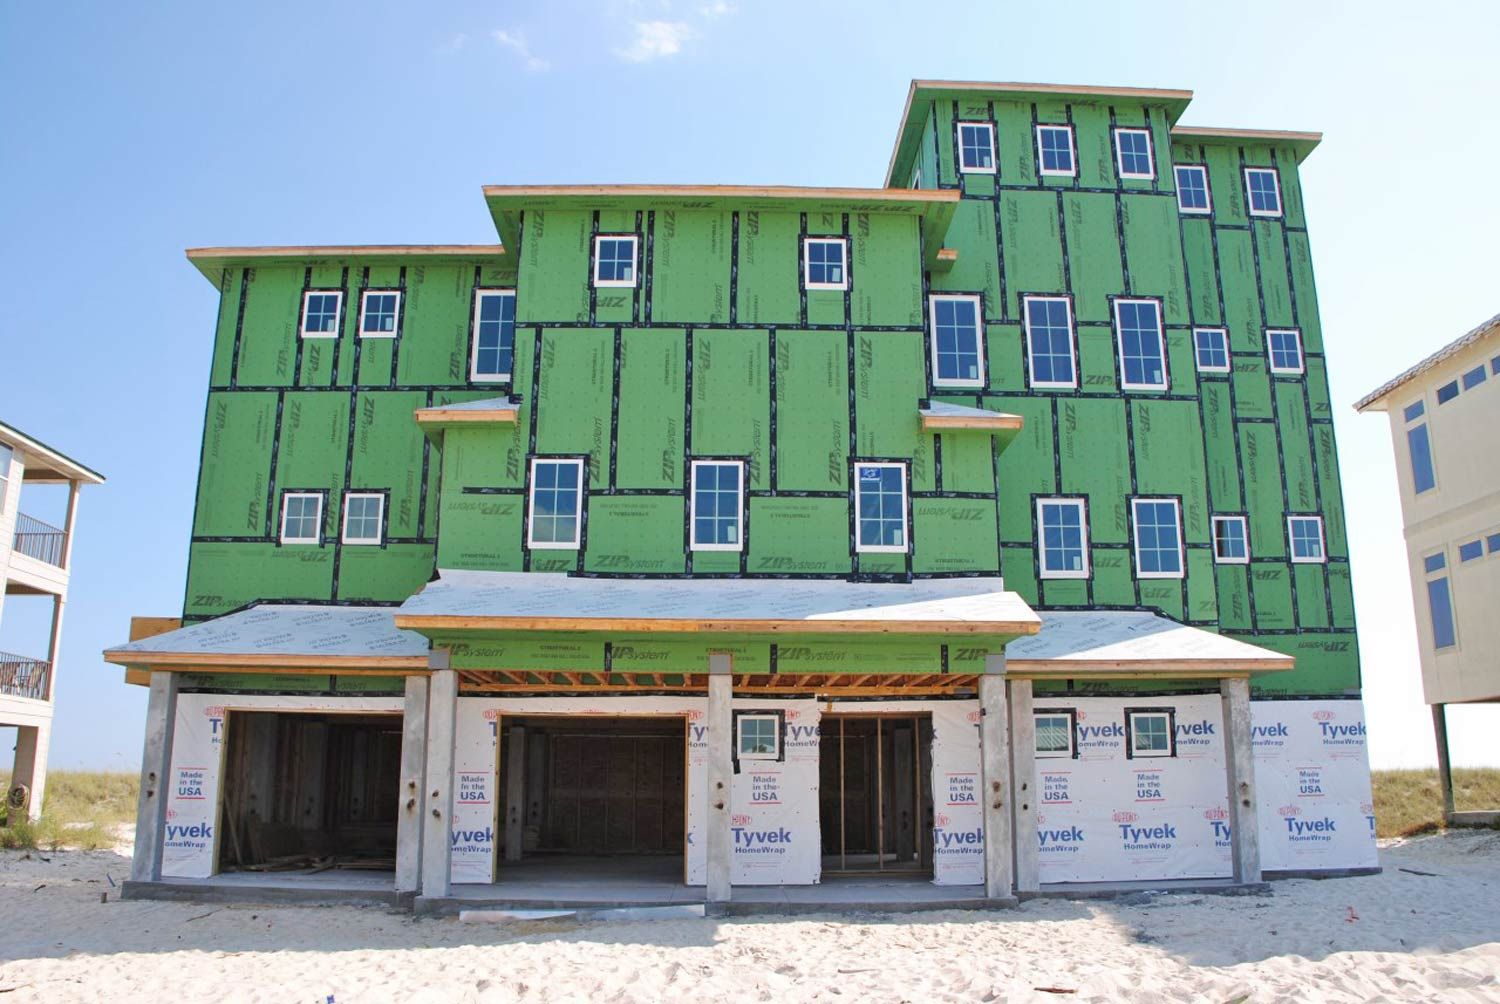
[1323, 716]
[740, 819]
[1123, 816]
[215, 717]
[1217, 812]
[942, 820]
[490, 714]
[1289, 810]
[973, 718]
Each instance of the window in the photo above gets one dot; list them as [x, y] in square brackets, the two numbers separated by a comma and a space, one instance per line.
[1306, 534]
[1471, 551]
[1414, 411]
[5, 454]
[1264, 190]
[880, 507]
[757, 737]
[1473, 378]
[1055, 144]
[1049, 341]
[378, 309]
[976, 147]
[1285, 348]
[1192, 189]
[1439, 602]
[1231, 540]
[1212, 348]
[916, 176]
[301, 518]
[1062, 538]
[1434, 563]
[1419, 449]
[1158, 538]
[320, 314]
[1055, 733]
[1492, 542]
[1447, 392]
[1150, 733]
[1495, 366]
[1143, 357]
[556, 504]
[363, 518]
[957, 356]
[717, 505]
[614, 261]
[824, 267]
[1133, 153]
[494, 335]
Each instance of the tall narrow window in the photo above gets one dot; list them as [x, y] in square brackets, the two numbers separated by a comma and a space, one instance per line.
[5, 455]
[494, 335]
[1158, 538]
[1062, 539]
[1419, 448]
[364, 521]
[1133, 153]
[824, 264]
[1285, 349]
[1305, 533]
[1143, 353]
[1439, 601]
[301, 518]
[1231, 540]
[320, 313]
[957, 353]
[378, 311]
[1049, 341]
[1264, 191]
[1211, 348]
[556, 520]
[1055, 147]
[1192, 189]
[880, 507]
[976, 148]
[717, 505]
[614, 260]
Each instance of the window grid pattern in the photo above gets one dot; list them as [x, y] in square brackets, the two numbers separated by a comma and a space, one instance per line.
[976, 146]
[1049, 338]
[1212, 348]
[716, 505]
[1063, 538]
[379, 314]
[495, 335]
[362, 515]
[757, 736]
[615, 261]
[1134, 150]
[1265, 195]
[1054, 735]
[301, 519]
[320, 315]
[1306, 533]
[1231, 544]
[825, 263]
[1150, 734]
[1158, 539]
[1192, 189]
[1286, 351]
[881, 506]
[1142, 358]
[955, 323]
[1056, 144]
[555, 497]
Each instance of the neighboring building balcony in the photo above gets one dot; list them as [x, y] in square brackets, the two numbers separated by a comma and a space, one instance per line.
[38, 559]
[21, 676]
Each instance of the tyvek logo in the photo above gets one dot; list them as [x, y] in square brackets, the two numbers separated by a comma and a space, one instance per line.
[472, 841]
[1063, 841]
[1147, 838]
[215, 716]
[949, 841]
[1199, 733]
[191, 836]
[801, 735]
[1221, 832]
[1342, 735]
[1107, 736]
[1310, 830]
[1269, 736]
[748, 841]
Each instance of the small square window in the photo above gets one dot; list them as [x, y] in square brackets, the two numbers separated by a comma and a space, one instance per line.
[957, 341]
[880, 507]
[1158, 538]
[1495, 366]
[757, 737]
[1150, 733]
[1143, 351]
[1212, 348]
[976, 147]
[1492, 543]
[1264, 189]
[1062, 538]
[717, 505]
[364, 514]
[1192, 189]
[1474, 378]
[1471, 551]
[614, 261]
[1055, 734]
[378, 312]
[556, 503]
[1306, 535]
[1049, 342]
[1447, 392]
[494, 335]
[1055, 145]
[1434, 562]
[320, 314]
[301, 518]
[1415, 411]
[824, 264]
[1285, 349]
[1231, 540]
[1133, 153]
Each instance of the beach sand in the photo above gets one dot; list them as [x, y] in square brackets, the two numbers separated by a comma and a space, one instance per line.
[1393, 936]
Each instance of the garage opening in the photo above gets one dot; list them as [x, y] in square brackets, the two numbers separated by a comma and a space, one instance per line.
[309, 792]
[875, 797]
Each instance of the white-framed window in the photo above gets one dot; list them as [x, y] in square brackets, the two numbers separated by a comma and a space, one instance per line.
[757, 736]
[320, 313]
[1474, 377]
[1133, 153]
[1447, 392]
[1231, 540]
[1062, 538]
[1193, 195]
[880, 507]
[1440, 601]
[6, 453]
[1049, 341]
[1158, 538]
[957, 341]
[1143, 350]
[1284, 346]
[1305, 534]
[1150, 733]
[825, 263]
[494, 336]
[1054, 145]
[379, 311]
[301, 518]
[1056, 733]
[555, 520]
[1211, 350]
[1419, 448]
[1263, 191]
[364, 518]
[717, 505]
[1471, 550]
[614, 260]
[976, 148]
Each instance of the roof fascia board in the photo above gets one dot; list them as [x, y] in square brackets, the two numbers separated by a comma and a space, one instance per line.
[56, 460]
[210, 261]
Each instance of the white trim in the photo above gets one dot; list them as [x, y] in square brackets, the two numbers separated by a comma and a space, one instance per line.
[554, 545]
[635, 261]
[739, 502]
[1136, 753]
[1271, 356]
[740, 719]
[1135, 539]
[1322, 558]
[843, 244]
[1067, 302]
[1275, 186]
[1041, 537]
[1150, 155]
[937, 379]
[905, 544]
[1161, 343]
[474, 375]
[379, 519]
[1228, 359]
[1072, 731]
[1208, 192]
[364, 302]
[338, 313]
[994, 153]
[1244, 537]
[1053, 172]
[317, 538]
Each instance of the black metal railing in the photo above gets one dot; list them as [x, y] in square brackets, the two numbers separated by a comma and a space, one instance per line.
[23, 677]
[39, 540]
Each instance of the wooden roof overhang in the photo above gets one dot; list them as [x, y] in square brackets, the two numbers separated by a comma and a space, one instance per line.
[510, 681]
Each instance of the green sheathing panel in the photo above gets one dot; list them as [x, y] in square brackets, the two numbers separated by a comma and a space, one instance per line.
[653, 374]
[690, 267]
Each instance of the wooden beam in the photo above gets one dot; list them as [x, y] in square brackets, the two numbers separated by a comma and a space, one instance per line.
[670, 625]
[994, 420]
[228, 662]
[471, 416]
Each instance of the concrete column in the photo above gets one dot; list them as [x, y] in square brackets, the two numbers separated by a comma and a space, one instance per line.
[413, 764]
[437, 812]
[1445, 766]
[515, 792]
[30, 766]
[1023, 786]
[1239, 763]
[994, 760]
[156, 771]
[719, 838]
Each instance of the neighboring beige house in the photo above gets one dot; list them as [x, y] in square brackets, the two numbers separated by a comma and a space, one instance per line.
[1444, 414]
[36, 559]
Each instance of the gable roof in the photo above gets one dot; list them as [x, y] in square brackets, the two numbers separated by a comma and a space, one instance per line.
[1443, 354]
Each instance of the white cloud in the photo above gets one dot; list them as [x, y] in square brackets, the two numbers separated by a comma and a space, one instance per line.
[718, 8]
[516, 42]
[656, 40]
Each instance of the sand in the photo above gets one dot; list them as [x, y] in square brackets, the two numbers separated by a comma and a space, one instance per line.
[1393, 936]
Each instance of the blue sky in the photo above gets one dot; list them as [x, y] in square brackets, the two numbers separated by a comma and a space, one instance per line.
[133, 133]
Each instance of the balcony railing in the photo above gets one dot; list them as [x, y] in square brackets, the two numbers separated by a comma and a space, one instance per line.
[39, 540]
[23, 677]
